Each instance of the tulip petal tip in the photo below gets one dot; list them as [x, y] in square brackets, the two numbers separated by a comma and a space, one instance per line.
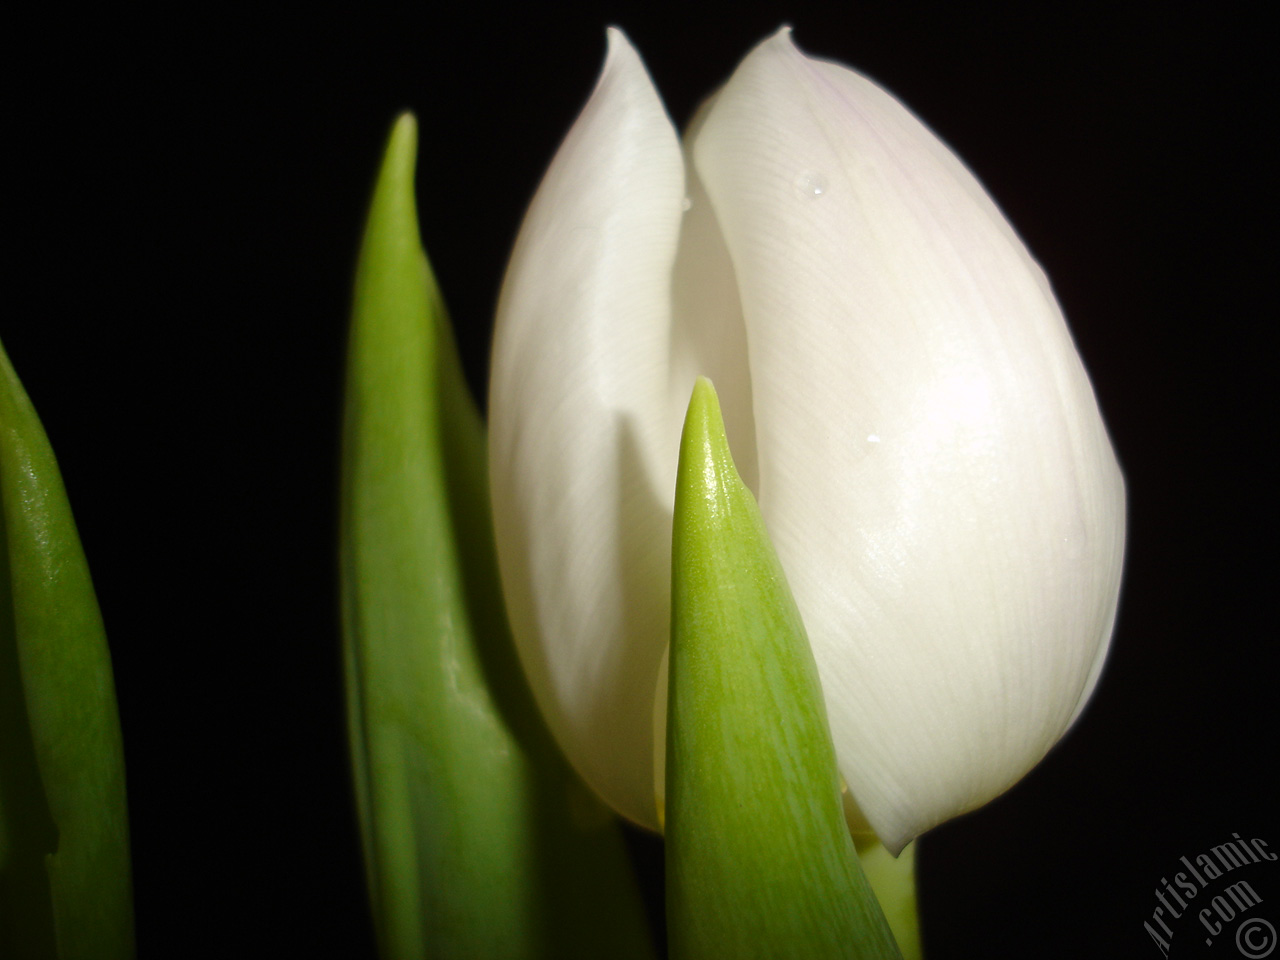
[617, 42]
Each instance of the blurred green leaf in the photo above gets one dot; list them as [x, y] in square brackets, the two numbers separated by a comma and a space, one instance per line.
[65, 887]
[478, 840]
[759, 859]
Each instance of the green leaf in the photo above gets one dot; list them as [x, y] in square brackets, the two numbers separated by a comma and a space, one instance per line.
[65, 888]
[759, 859]
[478, 840]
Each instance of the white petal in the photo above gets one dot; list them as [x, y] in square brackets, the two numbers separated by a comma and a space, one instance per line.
[933, 466]
[708, 335]
[581, 450]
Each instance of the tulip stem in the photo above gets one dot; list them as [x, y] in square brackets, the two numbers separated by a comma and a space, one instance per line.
[894, 882]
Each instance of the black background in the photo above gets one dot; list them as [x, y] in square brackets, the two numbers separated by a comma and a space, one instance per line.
[183, 224]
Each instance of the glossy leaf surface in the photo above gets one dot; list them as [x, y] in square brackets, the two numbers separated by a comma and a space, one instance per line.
[759, 860]
[65, 887]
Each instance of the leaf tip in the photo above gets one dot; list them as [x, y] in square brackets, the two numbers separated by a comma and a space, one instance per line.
[402, 147]
[704, 444]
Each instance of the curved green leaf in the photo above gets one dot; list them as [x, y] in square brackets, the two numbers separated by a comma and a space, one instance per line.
[65, 888]
[478, 840]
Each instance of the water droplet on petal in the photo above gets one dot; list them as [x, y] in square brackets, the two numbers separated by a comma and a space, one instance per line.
[686, 203]
[872, 438]
[811, 184]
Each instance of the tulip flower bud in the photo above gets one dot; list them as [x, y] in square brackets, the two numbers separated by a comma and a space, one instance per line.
[900, 391]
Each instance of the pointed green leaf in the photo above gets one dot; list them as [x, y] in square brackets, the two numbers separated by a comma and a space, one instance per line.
[65, 887]
[478, 841]
[759, 860]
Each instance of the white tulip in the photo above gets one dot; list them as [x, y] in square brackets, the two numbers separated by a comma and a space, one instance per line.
[901, 394]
